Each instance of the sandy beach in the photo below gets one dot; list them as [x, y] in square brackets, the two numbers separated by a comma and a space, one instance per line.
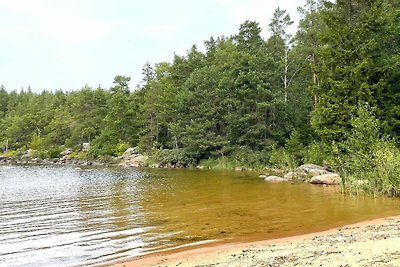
[370, 243]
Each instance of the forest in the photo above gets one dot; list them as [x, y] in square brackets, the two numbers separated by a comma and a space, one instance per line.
[329, 93]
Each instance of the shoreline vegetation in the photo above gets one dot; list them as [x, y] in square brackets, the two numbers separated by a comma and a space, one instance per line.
[369, 243]
[327, 94]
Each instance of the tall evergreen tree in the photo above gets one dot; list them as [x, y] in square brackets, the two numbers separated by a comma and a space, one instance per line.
[353, 68]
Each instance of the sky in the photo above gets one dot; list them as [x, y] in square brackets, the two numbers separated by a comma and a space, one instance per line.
[67, 44]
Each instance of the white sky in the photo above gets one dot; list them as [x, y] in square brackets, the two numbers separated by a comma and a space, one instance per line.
[65, 44]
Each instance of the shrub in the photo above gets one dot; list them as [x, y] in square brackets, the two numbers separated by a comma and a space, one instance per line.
[181, 158]
[366, 159]
[11, 154]
[221, 163]
[54, 152]
[318, 152]
[246, 157]
[281, 159]
[295, 149]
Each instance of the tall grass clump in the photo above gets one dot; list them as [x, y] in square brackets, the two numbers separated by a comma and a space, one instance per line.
[367, 160]
[221, 163]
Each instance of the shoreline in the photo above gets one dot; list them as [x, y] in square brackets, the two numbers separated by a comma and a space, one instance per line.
[372, 242]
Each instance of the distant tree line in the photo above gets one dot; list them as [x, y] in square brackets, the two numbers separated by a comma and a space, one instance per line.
[285, 99]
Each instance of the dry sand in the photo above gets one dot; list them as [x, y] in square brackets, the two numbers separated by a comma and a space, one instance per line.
[372, 243]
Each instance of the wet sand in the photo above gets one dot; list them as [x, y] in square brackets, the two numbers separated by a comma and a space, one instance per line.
[370, 243]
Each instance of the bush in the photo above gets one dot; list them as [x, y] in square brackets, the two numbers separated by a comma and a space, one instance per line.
[181, 158]
[54, 152]
[80, 155]
[366, 159]
[107, 145]
[246, 157]
[221, 163]
[11, 154]
[281, 159]
[318, 152]
[295, 149]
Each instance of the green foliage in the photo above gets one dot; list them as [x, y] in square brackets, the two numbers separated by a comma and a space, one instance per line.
[352, 68]
[245, 157]
[36, 142]
[10, 154]
[318, 153]
[295, 148]
[80, 155]
[107, 144]
[54, 152]
[366, 159]
[281, 159]
[41, 154]
[181, 158]
[221, 163]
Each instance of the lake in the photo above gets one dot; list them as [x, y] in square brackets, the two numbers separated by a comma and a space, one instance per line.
[67, 216]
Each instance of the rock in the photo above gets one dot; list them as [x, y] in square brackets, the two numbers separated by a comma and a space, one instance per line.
[275, 179]
[308, 167]
[311, 169]
[130, 152]
[30, 153]
[85, 147]
[326, 166]
[238, 169]
[263, 176]
[36, 160]
[134, 161]
[317, 172]
[132, 158]
[155, 166]
[294, 175]
[200, 167]
[66, 152]
[328, 179]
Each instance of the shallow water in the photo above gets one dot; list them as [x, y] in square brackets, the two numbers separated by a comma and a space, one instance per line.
[66, 216]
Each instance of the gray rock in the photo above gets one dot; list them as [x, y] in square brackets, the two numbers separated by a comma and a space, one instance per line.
[311, 169]
[85, 147]
[134, 161]
[294, 175]
[328, 179]
[307, 167]
[275, 179]
[66, 152]
[130, 152]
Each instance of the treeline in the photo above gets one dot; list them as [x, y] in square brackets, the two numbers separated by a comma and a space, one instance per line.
[248, 100]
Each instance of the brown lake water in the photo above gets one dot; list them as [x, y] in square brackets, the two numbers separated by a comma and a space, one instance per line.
[66, 216]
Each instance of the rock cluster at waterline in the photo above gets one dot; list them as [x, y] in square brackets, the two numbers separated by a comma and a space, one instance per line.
[308, 172]
[132, 158]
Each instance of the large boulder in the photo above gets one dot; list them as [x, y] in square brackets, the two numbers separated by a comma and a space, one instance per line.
[275, 179]
[312, 169]
[327, 179]
[130, 152]
[134, 161]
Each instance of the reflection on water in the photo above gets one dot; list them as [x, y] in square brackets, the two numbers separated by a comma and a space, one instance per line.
[63, 216]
